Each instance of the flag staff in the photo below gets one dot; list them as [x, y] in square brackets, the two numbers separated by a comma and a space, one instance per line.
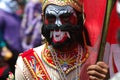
[109, 7]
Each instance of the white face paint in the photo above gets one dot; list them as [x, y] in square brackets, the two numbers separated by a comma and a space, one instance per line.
[57, 11]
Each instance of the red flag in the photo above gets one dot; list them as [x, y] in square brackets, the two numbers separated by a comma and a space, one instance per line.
[112, 51]
[94, 18]
[114, 25]
[94, 11]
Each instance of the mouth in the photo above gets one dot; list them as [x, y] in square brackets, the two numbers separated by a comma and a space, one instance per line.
[59, 36]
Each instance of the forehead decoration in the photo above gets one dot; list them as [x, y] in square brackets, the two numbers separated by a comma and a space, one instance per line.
[76, 4]
[59, 9]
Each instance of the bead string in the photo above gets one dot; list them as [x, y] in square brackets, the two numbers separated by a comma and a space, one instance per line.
[79, 62]
[58, 66]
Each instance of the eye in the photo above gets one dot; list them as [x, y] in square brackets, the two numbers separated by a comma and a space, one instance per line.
[65, 17]
[50, 18]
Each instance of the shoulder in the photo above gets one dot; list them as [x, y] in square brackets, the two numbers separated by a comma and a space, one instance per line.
[29, 52]
[40, 48]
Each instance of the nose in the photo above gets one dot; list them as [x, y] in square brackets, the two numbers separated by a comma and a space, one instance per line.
[58, 22]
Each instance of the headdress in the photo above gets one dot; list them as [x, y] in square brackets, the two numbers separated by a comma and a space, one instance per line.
[76, 4]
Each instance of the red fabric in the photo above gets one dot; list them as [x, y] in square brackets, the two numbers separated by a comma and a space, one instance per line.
[94, 15]
[32, 59]
[2, 69]
[114, 65]
[113, 26]
[27, 53]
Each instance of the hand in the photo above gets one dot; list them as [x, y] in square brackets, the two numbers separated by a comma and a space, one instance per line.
[98, 71]
[6, 53]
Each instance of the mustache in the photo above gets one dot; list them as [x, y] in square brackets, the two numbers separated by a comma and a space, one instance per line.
[65, 27]
[74, 31]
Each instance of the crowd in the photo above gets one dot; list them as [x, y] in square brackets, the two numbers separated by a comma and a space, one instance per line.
[20, 23]
[53, 40]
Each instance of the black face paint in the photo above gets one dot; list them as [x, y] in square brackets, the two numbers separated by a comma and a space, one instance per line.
[74, 31]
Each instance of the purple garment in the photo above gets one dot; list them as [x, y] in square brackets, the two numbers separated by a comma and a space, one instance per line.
[30, 10]
[10, 27]
[31, 26]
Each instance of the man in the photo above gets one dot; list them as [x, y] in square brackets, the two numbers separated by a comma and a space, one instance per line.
[67, 54]
[31, 24]
[9, 32]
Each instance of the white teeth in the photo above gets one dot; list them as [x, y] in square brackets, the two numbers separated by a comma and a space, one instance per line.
[68, 34]
[51, 33]
[57, 32]
[59, 35]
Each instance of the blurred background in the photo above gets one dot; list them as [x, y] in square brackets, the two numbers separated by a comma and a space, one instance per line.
[20, 30]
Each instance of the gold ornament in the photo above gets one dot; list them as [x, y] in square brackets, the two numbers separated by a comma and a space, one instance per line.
[76, 4]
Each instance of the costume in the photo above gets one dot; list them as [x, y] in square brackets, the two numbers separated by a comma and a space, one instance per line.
[31, 24]
[116, 76]
[9, 29]
[67, 53]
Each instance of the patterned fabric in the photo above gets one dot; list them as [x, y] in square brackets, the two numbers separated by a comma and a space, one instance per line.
[22, 71]
[35, 65]
[67, 60]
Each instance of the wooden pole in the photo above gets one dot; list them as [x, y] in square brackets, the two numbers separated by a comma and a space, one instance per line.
[109, 7]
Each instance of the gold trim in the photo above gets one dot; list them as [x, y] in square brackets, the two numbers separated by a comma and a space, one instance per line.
[70, 69]
[43, 57]
[29, 67]
[76, 4]
[43, 68]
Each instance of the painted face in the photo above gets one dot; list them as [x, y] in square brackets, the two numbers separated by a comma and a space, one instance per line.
[60, 15]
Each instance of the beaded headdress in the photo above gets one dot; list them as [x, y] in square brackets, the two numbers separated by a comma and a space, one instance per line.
[76, 4]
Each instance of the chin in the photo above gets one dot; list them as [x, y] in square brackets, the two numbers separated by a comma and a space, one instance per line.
[61, 45]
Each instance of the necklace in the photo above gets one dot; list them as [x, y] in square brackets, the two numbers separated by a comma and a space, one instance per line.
[52, 58]
[58, 66]
[79, 61]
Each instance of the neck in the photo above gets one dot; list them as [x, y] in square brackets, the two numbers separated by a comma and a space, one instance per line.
[68, 60]
[67, 48]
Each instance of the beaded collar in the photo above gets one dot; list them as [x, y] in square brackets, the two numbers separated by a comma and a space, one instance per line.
[66, 60]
